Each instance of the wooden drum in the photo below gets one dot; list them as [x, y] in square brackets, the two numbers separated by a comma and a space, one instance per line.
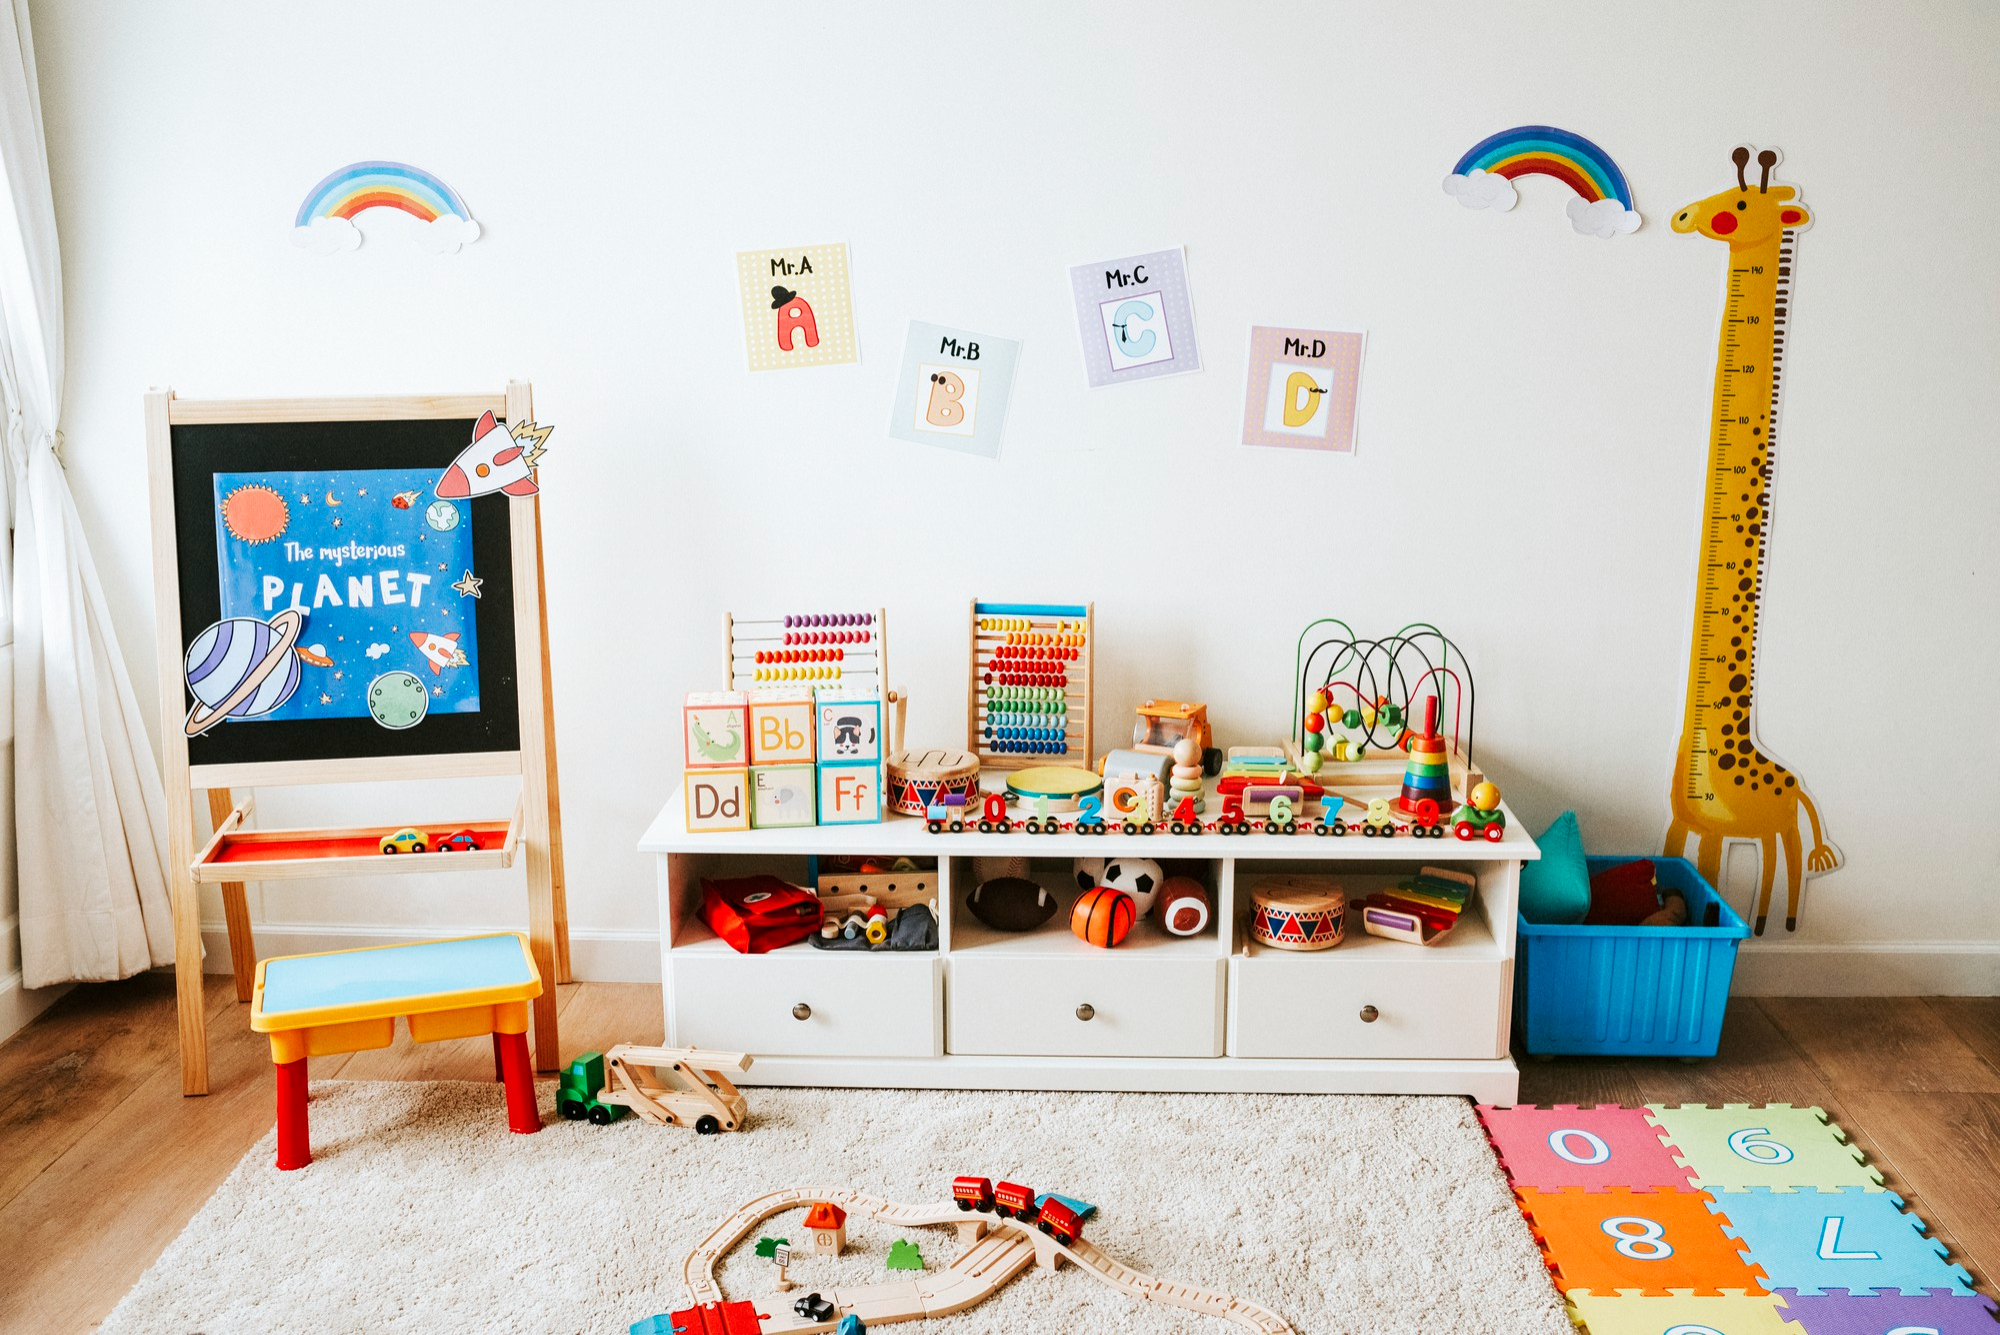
[1298, 912]
[916, 779]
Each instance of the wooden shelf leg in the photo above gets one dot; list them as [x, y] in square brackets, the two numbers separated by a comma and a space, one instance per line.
[190, 1002]
[294, 1134]
[235, 907]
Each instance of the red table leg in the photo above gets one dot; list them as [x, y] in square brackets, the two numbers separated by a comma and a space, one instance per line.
[294, 1137]
[522, 1114]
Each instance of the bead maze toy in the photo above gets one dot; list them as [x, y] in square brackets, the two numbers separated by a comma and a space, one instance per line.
[1739, 1220]
[1029, 697]
[666, 1086]
[1002, 1230]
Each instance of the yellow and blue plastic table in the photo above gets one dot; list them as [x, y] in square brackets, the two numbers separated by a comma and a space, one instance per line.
[349, 1001]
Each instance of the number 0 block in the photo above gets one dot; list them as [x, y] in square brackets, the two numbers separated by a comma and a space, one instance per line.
[1564, 1146]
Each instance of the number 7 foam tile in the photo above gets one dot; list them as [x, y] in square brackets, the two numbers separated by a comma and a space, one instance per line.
[1652, 1242]
[1738, 1147]
[1938, 1312]
[1849, 1239]
[1681, 1314]
[1567, 1146]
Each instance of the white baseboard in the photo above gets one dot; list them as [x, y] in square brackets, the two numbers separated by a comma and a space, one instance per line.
[1875, 969]
[594, 957]
[18, 1004]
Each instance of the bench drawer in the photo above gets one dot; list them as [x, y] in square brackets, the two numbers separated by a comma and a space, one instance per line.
[1010, 1005]
[1311, 1005]
[860, 1005]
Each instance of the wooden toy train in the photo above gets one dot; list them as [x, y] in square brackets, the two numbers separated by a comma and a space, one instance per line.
[1286, 803]
[1010, 1200]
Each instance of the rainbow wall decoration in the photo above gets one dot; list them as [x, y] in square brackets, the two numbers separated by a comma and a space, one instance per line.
[325, 221]
[1484, 177]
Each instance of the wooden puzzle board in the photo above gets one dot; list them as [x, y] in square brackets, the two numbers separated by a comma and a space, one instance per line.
[1737, 1220]
[1029, 699]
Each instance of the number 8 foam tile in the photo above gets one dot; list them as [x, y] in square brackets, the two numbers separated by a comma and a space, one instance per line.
[1596, 1148]
[1938, 1312]
[1681, 1314]
[1652, 1242]
[1738, 1147]
[1850, 1239]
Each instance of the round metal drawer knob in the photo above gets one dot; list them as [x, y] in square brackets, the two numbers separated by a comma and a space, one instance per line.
[1369, 1015]
[1085, 1011]
[804, 1012]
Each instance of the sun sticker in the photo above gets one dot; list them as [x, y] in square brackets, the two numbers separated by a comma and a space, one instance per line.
[255, 514]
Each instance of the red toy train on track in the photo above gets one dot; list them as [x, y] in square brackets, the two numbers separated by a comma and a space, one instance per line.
[1011, 1200]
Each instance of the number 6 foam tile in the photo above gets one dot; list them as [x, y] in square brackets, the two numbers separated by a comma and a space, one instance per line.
[1729, 1314]
[1850, 1239]
[1567, 1146]
[1938, 1312]
[1652, 1242]
[1737, 1147]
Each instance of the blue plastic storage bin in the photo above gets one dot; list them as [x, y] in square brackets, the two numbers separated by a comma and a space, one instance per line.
[1632, 991]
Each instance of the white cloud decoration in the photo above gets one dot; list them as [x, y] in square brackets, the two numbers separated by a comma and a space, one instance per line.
[1604, 218]
[327, 236]
[1480, 189]
[445, 234]
[377, 650]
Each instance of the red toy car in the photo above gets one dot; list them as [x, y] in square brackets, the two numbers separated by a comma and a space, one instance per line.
[458, 841]
[972, 1193]
[1011, 1200]
[1060, 1222]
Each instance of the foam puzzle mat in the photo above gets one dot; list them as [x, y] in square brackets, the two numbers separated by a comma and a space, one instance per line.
[1737, 1220]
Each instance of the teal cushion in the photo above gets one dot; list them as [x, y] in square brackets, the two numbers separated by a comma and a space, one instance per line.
[1556, 888]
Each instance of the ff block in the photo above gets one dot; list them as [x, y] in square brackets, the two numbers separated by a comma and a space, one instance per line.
[781, 796]
[850, 794]
[850, 729]
[717, 728]
[781, 727]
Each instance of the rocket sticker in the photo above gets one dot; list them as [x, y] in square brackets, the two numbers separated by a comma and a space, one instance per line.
[497, 460]
[441, 651]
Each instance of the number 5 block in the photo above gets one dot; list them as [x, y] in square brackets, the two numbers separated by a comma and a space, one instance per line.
[1736, 1148]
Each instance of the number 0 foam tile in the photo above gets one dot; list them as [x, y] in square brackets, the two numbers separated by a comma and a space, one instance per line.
[1568, 1146]
[1650, 1242]
[1850, 1239]
[1737, 1147]
[1725, 1314]
[1938, 1312]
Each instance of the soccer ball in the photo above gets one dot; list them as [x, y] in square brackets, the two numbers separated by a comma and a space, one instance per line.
[1089, 871]
[1137, 877]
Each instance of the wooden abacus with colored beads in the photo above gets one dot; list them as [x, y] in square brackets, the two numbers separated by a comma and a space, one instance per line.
[849, 650]
[1029, 701]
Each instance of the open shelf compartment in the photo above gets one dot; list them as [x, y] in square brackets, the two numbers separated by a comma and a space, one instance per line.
[237, 853]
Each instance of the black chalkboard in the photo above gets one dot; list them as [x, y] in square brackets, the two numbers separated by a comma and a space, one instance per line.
[215, 463]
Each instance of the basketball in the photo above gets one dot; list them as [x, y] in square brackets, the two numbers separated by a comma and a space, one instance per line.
[1102, 916]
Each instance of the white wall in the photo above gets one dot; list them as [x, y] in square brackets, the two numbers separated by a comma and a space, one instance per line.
[1538, 397]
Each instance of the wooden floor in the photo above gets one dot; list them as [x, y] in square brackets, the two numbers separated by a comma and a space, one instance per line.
[102, 1161]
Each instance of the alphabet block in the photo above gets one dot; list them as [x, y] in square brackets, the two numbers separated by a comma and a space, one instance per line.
[850, 728]
[717, 799]
[850, 794]
[717, 729]
[781, 796]
[781, 727]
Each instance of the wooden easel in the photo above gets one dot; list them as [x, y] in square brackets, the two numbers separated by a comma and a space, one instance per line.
[535, 828]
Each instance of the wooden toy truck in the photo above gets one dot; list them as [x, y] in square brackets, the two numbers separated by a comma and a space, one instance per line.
[1162, 723]
[671, 1086]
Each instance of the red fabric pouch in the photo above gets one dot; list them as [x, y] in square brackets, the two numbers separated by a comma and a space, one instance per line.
[755, 914]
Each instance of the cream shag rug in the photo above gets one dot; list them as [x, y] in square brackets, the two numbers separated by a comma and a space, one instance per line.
[421, 1212]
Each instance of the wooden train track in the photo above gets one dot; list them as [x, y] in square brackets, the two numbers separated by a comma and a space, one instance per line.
[997, 1250]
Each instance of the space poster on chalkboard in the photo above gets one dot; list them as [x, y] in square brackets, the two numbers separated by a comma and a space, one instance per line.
[381, 573]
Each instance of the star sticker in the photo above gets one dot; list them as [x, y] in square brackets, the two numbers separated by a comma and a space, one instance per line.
[469, 586]
[325, 699]
[336, 523]
[437, 690]
[361, 491]
[338, 675]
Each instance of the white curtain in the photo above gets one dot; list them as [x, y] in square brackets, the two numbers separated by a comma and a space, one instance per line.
[89, 811]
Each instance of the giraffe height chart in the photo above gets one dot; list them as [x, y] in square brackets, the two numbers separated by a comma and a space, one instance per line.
[1726, 784]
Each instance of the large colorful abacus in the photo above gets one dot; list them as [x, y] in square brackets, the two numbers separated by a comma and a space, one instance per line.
[1029, 701]
[849, 650]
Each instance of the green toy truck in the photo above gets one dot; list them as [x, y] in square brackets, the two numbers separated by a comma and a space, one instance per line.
[576, 1093]
[670, 1086]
